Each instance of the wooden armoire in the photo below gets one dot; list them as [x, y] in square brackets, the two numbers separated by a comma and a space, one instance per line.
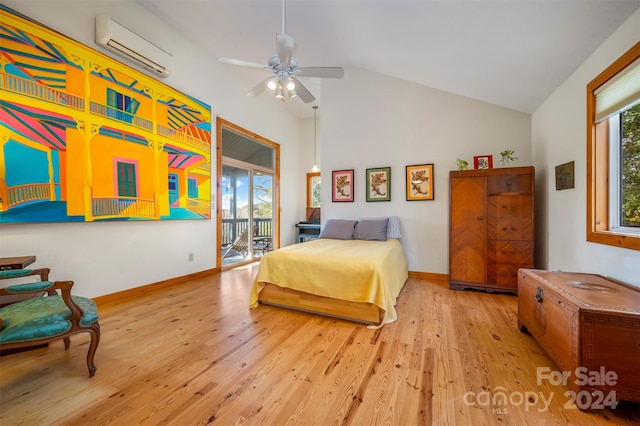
[491, 227]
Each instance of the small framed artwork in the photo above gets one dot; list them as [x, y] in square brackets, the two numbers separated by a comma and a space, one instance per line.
[420, 182]
[342, 190]
[565, 176]
[379, 184]
[483, 162]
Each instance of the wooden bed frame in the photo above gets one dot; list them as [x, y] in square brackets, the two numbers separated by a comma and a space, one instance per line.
[287, 298]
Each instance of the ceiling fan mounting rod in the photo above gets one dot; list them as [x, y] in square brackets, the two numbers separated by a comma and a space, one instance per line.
[283, 17]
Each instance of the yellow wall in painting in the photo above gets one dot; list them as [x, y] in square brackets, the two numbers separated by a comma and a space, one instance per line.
[163, 190]
[75, 81]
[62, 156]
[106, 152]
[75, 171]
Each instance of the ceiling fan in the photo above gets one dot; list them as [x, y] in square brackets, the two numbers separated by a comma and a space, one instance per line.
[285, 67]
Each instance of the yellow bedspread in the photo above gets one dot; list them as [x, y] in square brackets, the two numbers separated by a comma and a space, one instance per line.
[353, 270]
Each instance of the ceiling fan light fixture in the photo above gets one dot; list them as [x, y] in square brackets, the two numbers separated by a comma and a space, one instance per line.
[290, 84]
[273, 83]
[280, 91]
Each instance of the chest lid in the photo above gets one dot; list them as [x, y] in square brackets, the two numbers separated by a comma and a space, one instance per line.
[590, 290]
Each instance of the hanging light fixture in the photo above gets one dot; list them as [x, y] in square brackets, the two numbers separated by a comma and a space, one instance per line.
[315, 167]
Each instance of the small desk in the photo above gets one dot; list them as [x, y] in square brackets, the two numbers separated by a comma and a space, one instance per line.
[20, 262]
[308, 230]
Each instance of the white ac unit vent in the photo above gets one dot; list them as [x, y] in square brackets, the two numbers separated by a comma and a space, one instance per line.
[130, 45]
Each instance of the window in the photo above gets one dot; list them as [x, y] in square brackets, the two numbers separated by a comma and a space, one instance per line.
[192, 190]
[613, 153]
[126, 180]
[121, 107]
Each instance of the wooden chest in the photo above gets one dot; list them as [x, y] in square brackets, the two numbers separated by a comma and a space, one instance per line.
[589, 325]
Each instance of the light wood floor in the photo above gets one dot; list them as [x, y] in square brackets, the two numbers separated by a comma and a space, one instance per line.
[195, 354]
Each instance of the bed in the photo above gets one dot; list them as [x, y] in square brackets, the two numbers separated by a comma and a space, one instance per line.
[350, 274]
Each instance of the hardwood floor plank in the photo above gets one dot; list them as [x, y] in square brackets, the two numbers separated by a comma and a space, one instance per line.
[194, 353]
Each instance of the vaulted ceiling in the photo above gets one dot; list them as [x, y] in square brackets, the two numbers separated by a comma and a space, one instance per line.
[509, 53]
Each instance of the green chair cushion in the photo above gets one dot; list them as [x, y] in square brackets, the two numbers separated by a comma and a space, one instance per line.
[13, 273]
[29, 287]
[42, 317]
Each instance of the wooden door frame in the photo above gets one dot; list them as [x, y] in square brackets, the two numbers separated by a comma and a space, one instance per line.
[220, 124]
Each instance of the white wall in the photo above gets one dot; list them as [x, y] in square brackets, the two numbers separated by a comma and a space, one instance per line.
[558, 136]
[104, 258]
[370, 120]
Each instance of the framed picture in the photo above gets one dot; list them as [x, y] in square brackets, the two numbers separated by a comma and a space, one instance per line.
[420, 182]
[483, 162]
[313, 190]
[342, 190]
[564, 176]
[379, 184]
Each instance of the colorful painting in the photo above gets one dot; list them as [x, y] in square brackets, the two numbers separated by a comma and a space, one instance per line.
[86, 138]
[420, 182]
[379, 184]
[342, 186]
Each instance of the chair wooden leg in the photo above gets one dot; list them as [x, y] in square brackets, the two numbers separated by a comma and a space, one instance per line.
[67, 343]
[94, 330]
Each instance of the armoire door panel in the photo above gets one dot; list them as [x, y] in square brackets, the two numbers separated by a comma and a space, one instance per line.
[468, 239]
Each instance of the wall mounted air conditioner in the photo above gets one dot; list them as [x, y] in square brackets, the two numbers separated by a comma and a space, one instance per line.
[131, 46]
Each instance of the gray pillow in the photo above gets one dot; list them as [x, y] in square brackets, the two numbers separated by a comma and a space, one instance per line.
[375, 229]
[338, 229]
[393, 230]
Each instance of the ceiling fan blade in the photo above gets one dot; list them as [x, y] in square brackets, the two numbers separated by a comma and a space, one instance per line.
[302, 91]
[323, 72]
[242, 63]
[259, 88]
[284, 49]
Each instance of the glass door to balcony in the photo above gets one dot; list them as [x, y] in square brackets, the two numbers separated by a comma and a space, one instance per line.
[247, 214]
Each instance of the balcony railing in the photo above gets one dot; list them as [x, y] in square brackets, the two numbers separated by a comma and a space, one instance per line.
[202, 207]
[33, 89]
[116, 114]
[104, 207]
[232, 228]
[183, 137]
[31, 192]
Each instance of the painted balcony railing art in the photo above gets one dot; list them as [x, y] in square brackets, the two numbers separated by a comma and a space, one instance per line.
[183, 137]
[19, 194]
[105, 207]
[12, 83]
[201, 207]
[116, 114]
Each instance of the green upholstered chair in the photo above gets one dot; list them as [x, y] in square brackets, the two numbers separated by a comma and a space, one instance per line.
[45, 319]
[43, 273]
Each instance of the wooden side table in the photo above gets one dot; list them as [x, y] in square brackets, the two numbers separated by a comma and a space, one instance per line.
[19, 262]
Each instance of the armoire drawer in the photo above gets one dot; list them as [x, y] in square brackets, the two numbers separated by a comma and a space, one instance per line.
[509, 228]
[509, 183]
[503, 274]
[505, 251]
[509, 205]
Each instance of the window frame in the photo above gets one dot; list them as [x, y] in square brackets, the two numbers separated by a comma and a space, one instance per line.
[598, 164]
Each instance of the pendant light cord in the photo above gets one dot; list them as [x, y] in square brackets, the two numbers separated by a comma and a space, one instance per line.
[315, 138]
